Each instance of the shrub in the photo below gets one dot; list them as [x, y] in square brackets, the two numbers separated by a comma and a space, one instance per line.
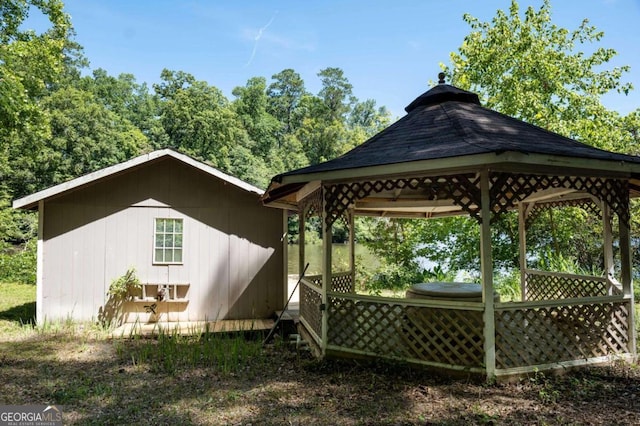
[18, 263]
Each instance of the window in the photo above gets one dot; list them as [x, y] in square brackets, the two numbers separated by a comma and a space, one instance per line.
[168, 241]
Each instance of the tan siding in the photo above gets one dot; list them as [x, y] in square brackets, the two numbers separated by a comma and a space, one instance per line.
[232, 255]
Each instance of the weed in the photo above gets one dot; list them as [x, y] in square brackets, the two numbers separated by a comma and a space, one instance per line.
[482, 417]
[547, 392]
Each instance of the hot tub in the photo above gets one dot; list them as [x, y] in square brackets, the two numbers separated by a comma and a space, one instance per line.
[463, 292]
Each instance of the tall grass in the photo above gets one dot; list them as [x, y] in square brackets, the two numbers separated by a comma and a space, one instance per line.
[169, 351]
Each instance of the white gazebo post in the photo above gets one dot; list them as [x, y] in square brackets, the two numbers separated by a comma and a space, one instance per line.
[486, 265]
[352, 249]
[522, 244]
[302, 217]
[327, 235]
[627, 283]
[607, 238]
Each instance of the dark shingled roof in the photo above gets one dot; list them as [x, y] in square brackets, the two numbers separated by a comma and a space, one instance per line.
[449, 122]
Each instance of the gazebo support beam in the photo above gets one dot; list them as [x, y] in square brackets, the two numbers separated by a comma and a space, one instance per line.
[627, 283]
[486, 264]
[522, 246]
[352, 249]
[302, 218]
[327, 236]
[607, 244]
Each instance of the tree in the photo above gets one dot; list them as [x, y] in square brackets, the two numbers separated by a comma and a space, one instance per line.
[197, 118]
[336, 93]
[323, 133]
[30, 63]
[129, 100]
[366, 117]
[284, 96]
[85, 137]
[531, 69]
[251, 107]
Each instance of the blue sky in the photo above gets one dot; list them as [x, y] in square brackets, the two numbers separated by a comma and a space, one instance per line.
[389, 50]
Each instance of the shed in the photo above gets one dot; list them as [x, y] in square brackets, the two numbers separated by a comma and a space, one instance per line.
[451, 156]
[200, 237]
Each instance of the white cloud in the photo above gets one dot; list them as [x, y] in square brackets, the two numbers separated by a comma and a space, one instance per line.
[257, 38]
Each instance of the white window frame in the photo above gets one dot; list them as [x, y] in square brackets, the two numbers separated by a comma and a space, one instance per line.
[173, 248]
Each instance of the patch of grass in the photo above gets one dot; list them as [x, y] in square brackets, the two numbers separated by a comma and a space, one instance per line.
[17, 307]
[169, 351]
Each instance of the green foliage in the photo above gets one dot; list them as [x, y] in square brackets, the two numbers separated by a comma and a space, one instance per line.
[18, 263]
[336, 94]
[397, 243]
[391, 276]
[283, 97]
[531, 69]
[507, 284]
[123, 286]
[29, 64]
[523, 65]
[226, 353]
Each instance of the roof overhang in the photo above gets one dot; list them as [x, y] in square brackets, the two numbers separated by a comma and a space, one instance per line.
[291, 188]
[31, 201]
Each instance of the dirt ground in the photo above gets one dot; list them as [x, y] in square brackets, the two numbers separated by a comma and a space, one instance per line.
[101, 381]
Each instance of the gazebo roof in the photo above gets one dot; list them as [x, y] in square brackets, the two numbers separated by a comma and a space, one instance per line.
[447, 128]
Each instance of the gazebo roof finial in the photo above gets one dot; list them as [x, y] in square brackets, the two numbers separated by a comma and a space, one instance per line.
[440, 78]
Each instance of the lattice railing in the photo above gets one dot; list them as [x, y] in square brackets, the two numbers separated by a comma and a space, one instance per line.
[539, 335]
[310, 301]
[342, 282]
[541, 285]
[444, 336]
[316, 280]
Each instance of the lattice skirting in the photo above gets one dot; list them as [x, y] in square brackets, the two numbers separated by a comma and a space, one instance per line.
[437, 335]
[550, 287]
[310, 301]
[545, 335]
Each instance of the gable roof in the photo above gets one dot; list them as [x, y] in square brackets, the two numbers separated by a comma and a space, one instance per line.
[449, 122]
[31, 201]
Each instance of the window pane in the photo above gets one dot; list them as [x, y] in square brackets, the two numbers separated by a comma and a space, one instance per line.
[168, 240]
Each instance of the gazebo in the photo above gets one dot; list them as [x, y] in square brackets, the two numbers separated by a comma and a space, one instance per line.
[451, 156]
